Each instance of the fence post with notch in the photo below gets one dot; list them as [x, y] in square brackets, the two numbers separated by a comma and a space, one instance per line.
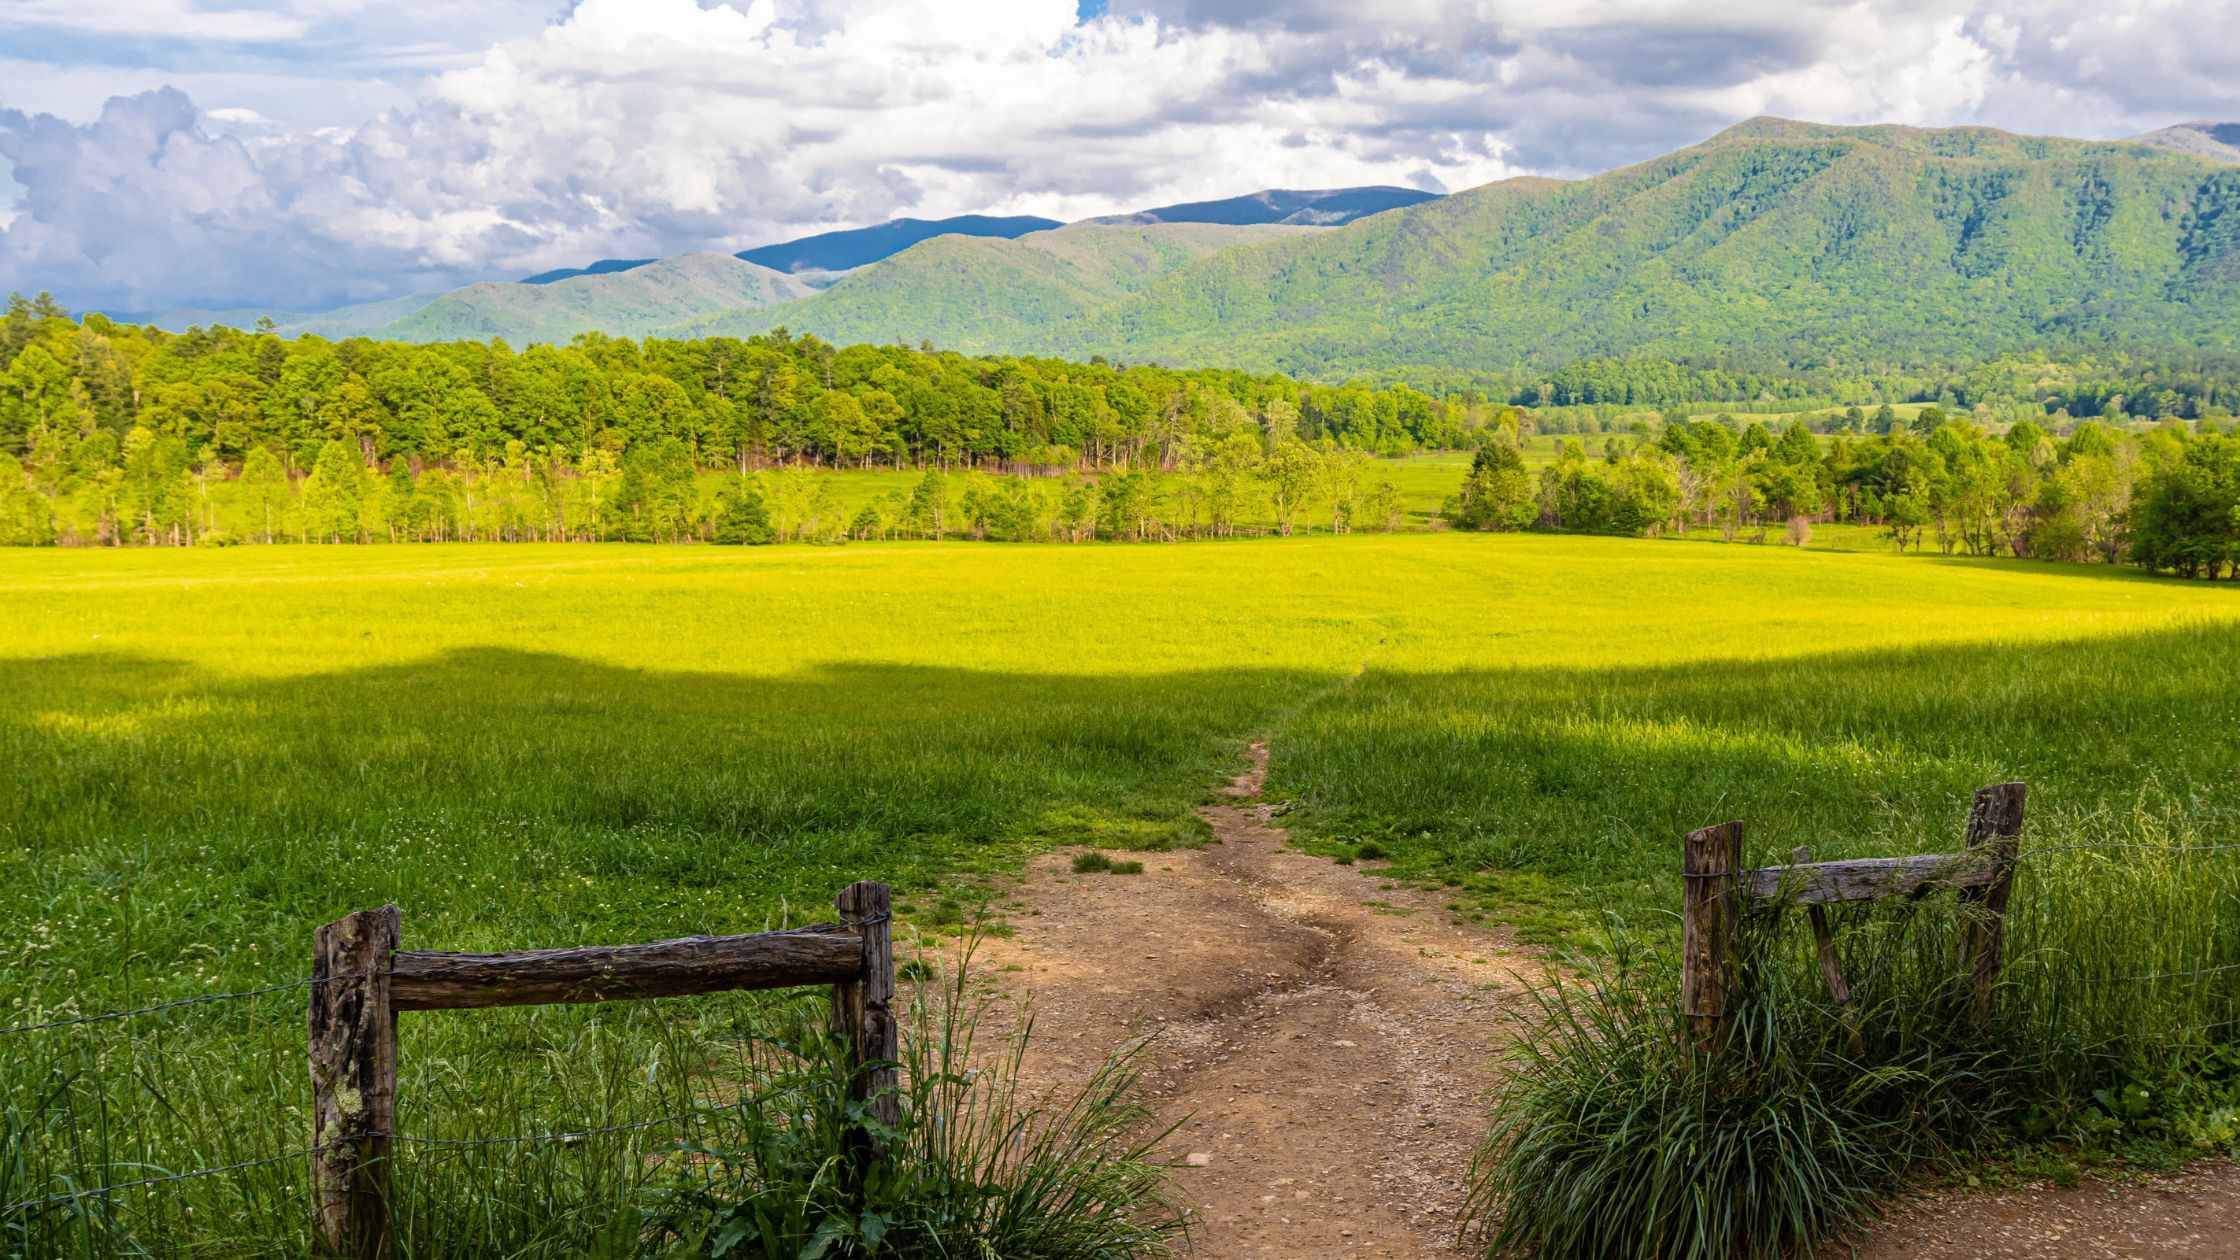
[1995, 838]
[863, 1012]
[1710, 859]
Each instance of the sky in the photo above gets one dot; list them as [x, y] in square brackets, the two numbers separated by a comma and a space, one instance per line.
[297, 154]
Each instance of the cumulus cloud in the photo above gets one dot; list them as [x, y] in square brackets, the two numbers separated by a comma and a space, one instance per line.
[638, 127]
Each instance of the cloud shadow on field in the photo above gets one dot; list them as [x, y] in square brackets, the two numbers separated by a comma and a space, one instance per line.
[509, 795]
[1592, 776]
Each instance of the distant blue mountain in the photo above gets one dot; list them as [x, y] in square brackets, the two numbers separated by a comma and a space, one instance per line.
[604, 266]
[1327, 207]
[854, 247]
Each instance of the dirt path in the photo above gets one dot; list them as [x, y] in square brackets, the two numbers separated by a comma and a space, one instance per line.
[2191, 1215]
[1323, 1037]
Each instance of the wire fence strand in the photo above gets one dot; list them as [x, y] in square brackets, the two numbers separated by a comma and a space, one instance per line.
[568, 1135]
[103, 1191]
[176, 1003]
[2158, 848]
[2160, 975]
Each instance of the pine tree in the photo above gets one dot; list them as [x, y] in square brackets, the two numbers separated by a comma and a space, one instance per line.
[334, 491]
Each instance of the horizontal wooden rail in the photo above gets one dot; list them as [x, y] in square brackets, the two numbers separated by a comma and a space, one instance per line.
[1712, 882]
[1867, 879]
[430, 980]
[361, 979]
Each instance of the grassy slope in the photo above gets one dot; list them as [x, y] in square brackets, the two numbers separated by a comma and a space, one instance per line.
[1870, 245]
[980, 294]
[207, 753]
[625, 304]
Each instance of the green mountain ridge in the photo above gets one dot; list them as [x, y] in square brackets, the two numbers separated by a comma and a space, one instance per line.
[1773, 241]
[1773, 246]
[979, 294]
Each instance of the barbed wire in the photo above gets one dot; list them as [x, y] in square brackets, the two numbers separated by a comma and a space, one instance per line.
[179, 1002]
[2160, 975]
[2160, 848]
[569, 1135]
[102, 1191]
[572, 1135]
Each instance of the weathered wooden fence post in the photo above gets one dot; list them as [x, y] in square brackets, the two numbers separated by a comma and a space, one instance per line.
[863, 1008]
[1994, 834]
[1709, 861]
[353, 1082]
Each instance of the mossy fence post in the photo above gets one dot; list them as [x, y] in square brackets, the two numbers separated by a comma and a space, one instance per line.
[361, 979]
[1715, 890]
[353, 1081]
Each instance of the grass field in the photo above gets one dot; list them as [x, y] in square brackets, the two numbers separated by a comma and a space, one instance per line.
[205, 754]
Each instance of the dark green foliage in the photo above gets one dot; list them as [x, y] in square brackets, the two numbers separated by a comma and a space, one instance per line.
[743, 519]
[2187, 520]
[771, 398]
[1093, 862]
[1498, 493]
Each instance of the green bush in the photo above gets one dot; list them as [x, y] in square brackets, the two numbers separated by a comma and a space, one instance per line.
[972, 1169]
[1617, 1137]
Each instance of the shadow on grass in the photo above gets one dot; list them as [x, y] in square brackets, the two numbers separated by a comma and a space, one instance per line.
[1590, 777]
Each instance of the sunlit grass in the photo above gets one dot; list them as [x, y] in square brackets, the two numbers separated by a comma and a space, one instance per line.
[206, 754]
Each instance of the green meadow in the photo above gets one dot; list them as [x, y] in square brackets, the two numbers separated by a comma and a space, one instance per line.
[205, 754]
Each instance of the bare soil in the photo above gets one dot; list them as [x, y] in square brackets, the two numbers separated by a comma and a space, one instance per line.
[1323, 1041]
[1322, 1038]
[2192, 1215]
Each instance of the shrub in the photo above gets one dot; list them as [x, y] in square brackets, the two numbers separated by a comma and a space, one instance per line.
[1617, 1137]
[971, 1169]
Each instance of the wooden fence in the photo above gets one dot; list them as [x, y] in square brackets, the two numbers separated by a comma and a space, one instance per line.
[1715, 891]
[362, 978]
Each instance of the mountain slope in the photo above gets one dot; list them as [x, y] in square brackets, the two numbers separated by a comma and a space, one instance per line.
[624, 304]
[603, 267]
[1327, 207]
[856, 247]
[2214, 140]
[980, 295]
[1773, 241]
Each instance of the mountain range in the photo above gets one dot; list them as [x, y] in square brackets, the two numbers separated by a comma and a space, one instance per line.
[1877, 246]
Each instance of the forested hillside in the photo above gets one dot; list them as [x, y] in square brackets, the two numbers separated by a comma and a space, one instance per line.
[984, 295]
[1774, 246]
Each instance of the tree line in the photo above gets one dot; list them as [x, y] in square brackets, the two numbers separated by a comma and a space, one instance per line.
[2166, 497]
[760, 401]
[117, 434]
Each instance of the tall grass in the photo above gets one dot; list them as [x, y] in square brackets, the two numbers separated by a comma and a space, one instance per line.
[1618, 1136]
[971, 1169]
[205, 755]
[761, 1158]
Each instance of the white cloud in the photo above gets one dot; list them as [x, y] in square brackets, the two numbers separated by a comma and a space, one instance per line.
[636, 127]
